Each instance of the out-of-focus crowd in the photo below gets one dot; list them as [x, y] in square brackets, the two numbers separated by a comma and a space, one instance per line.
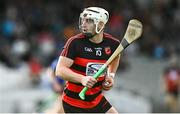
[34, 31]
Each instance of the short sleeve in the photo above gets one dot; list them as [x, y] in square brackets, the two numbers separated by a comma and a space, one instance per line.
[115, 44]
[69, 50]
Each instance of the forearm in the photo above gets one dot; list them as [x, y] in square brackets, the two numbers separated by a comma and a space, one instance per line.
[69, 75]
[114, 66]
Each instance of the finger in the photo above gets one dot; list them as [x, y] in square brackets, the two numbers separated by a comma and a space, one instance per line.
[89, 85]
[106, 83]
[106, 88]
[93, 80]
[92, 83]
[110, 84]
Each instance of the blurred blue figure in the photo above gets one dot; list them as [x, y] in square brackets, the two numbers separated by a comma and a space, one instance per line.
[58, 83]
[54, 103]
[159, 52]
[8, 27]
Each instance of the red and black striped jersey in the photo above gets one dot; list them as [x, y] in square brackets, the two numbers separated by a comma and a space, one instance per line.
[83, 51]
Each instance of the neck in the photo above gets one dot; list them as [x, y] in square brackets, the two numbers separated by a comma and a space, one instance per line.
[98, 38]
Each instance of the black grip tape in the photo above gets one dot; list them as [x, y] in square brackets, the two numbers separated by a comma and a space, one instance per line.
[124, 43]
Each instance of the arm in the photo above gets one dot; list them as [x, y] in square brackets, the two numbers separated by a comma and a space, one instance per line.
[63, 70]
[112, 68]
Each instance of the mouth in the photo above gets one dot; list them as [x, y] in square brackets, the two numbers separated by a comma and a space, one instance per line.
[84, 30]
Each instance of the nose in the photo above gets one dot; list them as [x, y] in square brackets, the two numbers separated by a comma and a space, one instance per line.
[84, 27]
[83, 23]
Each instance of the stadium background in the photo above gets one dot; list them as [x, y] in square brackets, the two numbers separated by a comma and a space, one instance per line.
[33, 32]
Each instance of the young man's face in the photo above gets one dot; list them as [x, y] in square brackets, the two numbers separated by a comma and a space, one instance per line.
[88, 26]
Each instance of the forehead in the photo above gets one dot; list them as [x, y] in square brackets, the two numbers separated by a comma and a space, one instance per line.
[87, 20]
[85, 16]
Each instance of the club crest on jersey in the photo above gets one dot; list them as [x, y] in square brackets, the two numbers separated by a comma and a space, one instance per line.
[108, 50]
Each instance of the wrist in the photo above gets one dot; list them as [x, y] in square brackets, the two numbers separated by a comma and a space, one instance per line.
[81, 79]
[111, 75]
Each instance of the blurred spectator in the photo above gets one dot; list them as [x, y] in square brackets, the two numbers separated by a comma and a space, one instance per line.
[20, 49]
[69, 31]
[35, 70]
[8, 27]
[54, 103]
[124, 63]
[171, 85]
[116, 23]
[5, 54]
[159, 52]
[57, 82]
[43, 23]
[46, 47]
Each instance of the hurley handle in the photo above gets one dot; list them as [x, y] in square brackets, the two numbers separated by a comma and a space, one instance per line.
[84, 90]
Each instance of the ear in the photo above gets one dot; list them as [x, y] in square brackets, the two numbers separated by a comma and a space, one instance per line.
[100, 25]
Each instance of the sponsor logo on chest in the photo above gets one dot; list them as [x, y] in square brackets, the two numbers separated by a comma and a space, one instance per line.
[98, 50]
[87, 49]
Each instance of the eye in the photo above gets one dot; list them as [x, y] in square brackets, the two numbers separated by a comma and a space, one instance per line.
[89, 20]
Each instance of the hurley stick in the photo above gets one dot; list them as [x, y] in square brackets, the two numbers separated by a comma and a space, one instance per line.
[133, 32]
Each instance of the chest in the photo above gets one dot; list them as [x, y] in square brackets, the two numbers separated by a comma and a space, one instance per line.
[103, 51]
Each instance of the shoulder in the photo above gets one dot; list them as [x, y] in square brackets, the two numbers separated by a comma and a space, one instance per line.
[110, 37]
[76, 37]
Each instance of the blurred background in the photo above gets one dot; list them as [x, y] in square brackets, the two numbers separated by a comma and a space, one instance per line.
[33, 32]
